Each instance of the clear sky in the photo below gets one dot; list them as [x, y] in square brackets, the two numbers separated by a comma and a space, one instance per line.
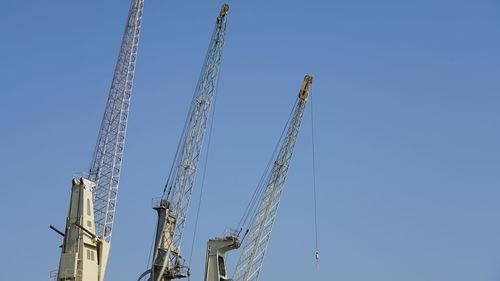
[406, 104]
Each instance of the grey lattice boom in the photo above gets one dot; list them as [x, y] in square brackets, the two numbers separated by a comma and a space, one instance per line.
[256, 241]
[167, 262]
[106, 164]
[89, 224]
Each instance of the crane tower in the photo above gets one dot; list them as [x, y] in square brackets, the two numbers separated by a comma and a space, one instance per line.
[257, 236]
[172, 207]
[89, 225]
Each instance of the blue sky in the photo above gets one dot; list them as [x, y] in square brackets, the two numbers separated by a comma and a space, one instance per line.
[406, 104]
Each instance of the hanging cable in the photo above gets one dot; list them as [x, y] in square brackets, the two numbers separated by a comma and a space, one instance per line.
[166, 193]
[202, 181]
[316, 255]
[150, 255]
[249, 210]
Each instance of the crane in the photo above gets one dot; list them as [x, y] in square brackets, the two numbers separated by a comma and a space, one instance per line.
[172, 207]
[89, 225]
[268, 194]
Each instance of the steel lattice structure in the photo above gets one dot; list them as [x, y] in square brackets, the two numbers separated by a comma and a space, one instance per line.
[107, 160]
[179, 190]
[257, 238]
[179, 186]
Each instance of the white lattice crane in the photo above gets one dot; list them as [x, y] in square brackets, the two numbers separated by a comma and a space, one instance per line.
[172, 207]
[262, 208]
[89, 225]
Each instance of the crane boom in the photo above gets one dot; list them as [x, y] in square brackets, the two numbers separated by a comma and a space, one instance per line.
[106, 163]
[87, 236]
[257, 238]
[173, 206]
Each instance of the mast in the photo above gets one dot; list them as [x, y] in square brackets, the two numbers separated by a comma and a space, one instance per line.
[257, 237]
[89, 224]
[173, 206]
[107, 161]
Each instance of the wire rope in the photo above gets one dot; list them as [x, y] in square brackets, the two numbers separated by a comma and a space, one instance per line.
[260, 187]
[314, 181]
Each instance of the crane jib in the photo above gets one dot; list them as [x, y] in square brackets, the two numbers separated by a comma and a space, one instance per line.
[106, 164]
[89, 225]
[173, 206]
[258, 234]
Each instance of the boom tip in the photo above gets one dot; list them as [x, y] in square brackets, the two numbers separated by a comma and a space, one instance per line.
[223, 10]
[304, 90]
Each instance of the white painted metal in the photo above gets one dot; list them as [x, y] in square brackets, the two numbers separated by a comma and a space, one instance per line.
[215, 266]
[83, 253]
[173, 206]
[89, 225]
[258, 235]
[108, 155]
